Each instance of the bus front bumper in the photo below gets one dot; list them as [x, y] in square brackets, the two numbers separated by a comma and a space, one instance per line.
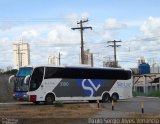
[21, 96]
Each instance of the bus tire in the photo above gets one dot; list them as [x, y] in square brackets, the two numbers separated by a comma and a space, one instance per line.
[49, 99]
[115, 97]
[105, 97]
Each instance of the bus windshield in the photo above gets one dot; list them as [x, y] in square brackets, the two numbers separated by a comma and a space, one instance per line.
[24, 71]
[20, 76]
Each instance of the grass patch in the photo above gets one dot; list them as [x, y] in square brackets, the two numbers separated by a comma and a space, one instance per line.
[135, 93]
[149, 94]
[58, 104]
[154, 94]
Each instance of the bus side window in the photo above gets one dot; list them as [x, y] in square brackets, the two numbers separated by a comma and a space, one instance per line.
[50, 72]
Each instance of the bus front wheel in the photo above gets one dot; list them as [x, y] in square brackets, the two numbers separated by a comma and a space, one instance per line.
[106, 97]
[49, 99]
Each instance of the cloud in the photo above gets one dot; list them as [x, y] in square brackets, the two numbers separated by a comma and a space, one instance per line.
[149, 36]
[113, 24]
[30, 34]
[47, 38]
[144, 42]
[151, 27]
[63, 34]
[43, 39]
[6, 26]
[108, 35]
[73, 18]
[5, 52]
[133, 23]
[53, 35]
[112, 29]
[84, 15]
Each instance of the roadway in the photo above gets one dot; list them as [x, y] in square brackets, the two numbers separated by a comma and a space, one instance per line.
[151, 105]
[123, 108]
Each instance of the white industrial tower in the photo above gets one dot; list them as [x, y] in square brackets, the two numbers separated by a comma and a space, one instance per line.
[21, 53]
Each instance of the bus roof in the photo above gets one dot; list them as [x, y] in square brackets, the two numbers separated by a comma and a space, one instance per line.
[77, 66]
[101, 68]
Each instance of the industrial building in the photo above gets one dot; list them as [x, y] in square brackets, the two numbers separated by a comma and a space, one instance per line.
[146, 79]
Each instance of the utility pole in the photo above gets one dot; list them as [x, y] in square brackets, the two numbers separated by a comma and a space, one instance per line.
[92, 59]
[115, 46]
[59, 58]
[81, 28]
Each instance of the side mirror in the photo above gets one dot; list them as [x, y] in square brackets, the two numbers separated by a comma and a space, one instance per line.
[9, 80]
[26, 78]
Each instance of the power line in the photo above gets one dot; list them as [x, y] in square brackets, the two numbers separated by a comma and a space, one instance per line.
[35, 19]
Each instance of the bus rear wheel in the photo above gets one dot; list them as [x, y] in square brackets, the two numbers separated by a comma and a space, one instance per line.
[49, 99]
[115, 97]
[106, 97]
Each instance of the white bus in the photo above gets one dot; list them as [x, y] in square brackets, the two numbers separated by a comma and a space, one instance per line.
[49, 83]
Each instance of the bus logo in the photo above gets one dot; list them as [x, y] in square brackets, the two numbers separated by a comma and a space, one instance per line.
[90, 87]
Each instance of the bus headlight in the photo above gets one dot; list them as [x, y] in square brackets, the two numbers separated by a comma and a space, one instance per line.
[25, 96]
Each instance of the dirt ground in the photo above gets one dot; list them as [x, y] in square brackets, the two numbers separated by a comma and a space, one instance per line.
[39, 114]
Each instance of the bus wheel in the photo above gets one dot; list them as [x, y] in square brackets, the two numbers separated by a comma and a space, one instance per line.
[115, 97]
[106, 97]
[49, 99]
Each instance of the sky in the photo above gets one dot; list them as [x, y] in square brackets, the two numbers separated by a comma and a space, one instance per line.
[46, 26]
